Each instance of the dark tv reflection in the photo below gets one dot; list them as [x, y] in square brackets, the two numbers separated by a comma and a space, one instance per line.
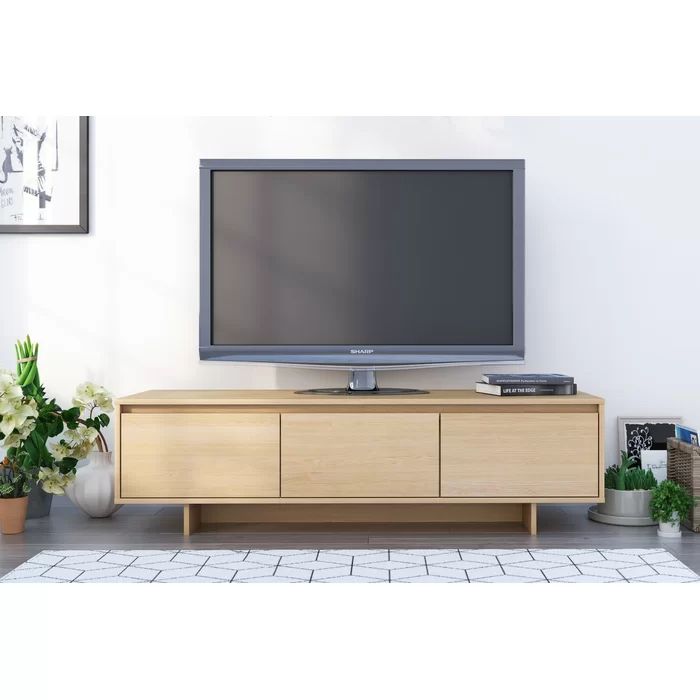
[362, 258]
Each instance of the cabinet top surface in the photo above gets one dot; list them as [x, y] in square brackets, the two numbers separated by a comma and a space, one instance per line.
[274, 397]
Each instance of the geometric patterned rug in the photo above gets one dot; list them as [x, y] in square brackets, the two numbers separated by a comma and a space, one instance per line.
[354, 566]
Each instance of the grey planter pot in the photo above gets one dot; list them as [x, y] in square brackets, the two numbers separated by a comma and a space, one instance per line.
[625, 504]
[39, 503]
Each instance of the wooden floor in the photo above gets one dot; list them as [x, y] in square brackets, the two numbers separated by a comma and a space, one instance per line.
[160, 527]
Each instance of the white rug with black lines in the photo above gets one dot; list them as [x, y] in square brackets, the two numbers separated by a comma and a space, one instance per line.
[353, 566]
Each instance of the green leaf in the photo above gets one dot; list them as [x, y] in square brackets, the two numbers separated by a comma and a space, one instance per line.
[32, 451]
[668, 498]
[71, 414]
[55, 427]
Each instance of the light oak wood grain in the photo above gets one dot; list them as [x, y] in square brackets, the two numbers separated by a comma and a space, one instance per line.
[358, 458]
[368, 500]
[529, 515]
[356, 455]
[349, 408]
[191, 519]
[290, 398]
[522, 455]
[601, 451]
[199, 456]
[372, 513]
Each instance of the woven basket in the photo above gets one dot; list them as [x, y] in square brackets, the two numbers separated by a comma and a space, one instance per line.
[684, 468]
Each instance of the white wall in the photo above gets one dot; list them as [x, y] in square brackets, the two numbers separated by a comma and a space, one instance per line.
[612, 272]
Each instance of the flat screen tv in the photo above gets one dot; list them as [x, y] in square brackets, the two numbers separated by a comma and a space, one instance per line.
[362, 264]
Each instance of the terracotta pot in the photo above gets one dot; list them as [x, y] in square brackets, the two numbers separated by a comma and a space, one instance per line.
[13, 513]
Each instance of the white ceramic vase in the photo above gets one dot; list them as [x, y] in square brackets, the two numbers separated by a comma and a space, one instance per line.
[670, 529]
[93, 488]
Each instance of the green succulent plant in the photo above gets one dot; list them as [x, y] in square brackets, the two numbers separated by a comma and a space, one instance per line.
[627, 476]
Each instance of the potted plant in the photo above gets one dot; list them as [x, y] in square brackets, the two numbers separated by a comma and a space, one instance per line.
[42, 468]
[670, 503]
[628, 491]
[93, 488]
[18, 415]
[25, 425]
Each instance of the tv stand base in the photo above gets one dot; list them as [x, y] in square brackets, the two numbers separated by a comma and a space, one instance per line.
[362, 382]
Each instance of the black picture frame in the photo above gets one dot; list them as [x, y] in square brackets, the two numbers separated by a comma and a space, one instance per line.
[638, 434]
[83, 225]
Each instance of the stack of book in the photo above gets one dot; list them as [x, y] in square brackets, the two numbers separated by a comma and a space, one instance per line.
[526, 385]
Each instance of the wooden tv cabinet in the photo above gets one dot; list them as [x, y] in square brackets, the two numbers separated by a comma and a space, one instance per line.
[445, 456]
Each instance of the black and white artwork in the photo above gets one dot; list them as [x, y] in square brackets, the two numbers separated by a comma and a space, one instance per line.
[638, 436]
[43, 174]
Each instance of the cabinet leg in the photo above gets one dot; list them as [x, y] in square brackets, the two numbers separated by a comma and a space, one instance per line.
[192, 519]
[530, 517]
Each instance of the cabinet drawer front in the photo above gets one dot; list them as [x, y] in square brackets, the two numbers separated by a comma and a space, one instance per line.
[197, 455]
[348, 455]
[513, 455]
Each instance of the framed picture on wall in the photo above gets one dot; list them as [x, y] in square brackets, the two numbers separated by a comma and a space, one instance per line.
[640, 436]
[43, 174]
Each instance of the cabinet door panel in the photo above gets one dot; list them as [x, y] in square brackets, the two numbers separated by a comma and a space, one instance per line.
[198, 455]
[515, 454]
[338, 455]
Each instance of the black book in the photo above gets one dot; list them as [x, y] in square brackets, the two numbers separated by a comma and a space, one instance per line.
[526, 389]
[549, 379]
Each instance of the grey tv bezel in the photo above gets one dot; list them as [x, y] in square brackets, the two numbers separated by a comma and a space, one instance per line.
[382, 356]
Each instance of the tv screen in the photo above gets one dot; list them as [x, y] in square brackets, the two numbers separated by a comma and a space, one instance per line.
[358, 258]
[368, 258]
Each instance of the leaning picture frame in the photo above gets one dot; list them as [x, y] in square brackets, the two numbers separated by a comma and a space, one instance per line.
[637, 436]
[44, 175]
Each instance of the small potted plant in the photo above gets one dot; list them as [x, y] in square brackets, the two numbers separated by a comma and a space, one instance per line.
[670, 503]
[628, 490]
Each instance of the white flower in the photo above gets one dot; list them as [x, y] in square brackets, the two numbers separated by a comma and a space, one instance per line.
[59, 451]
[88, 395]
[105, 403]
[14, 438]
[17, 414]
[81, 434]
[84, 394]
[52, 481]
[81, 450]
[7, 378]
[80, 443]
[9, 388]
[11, 396]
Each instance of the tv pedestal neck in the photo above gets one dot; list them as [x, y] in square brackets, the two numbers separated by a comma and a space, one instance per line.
[277, 456]
[362, 382]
